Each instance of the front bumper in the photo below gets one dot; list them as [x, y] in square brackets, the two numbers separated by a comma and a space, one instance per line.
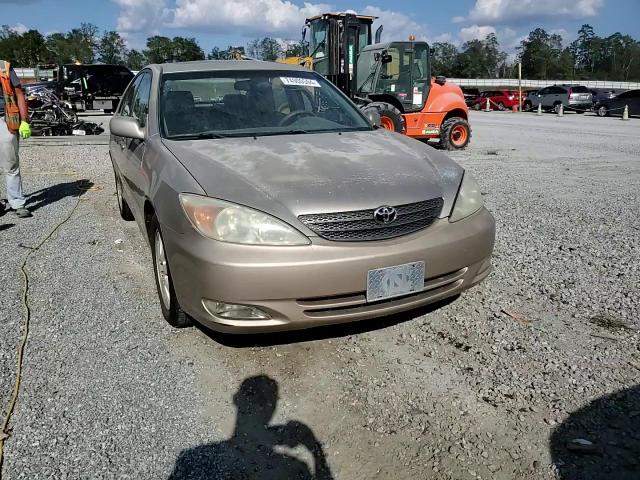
[325, 282]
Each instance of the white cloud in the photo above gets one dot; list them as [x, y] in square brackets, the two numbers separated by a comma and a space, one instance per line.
[397, 26]
[142, 15]
[19, 28]
[251, 17]
[475, 32]
[502, 11]
[458, 19]
[443, 37]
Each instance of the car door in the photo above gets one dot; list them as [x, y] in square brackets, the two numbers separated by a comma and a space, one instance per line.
[632, 99]
[117, 146]
[542, 96]
[553, 97]
[133, 172]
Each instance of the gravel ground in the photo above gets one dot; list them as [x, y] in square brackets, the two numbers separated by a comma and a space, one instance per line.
[532, 375]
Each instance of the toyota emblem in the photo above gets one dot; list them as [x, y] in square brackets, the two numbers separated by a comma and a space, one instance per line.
[385, 214]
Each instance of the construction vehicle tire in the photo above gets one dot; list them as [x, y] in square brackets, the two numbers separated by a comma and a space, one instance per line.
[390, 116]
[455, 134]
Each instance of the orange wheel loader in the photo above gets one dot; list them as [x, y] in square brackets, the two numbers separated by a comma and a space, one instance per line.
[394, 77]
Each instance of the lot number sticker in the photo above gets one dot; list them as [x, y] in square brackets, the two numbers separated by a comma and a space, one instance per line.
[300, 82]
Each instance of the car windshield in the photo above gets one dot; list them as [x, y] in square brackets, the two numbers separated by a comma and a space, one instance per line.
[215, 104]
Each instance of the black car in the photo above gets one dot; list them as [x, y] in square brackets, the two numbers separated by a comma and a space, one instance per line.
[615, 105]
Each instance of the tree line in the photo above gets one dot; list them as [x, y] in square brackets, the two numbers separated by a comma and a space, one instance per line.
[543, 57]
[542, 54]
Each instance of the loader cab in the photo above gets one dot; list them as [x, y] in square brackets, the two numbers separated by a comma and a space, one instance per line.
[396, 72]
[335, 41]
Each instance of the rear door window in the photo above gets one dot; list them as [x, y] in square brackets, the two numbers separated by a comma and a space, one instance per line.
[580, 89]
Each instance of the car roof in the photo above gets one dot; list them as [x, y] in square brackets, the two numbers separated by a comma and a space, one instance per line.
[222, 65]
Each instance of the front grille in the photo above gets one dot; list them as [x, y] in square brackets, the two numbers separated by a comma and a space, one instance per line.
[359, 225]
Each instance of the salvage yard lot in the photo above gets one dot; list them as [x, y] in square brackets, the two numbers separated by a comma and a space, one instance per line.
[492, 385]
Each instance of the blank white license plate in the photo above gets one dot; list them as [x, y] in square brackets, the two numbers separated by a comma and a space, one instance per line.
[78, 132]
[395, 281]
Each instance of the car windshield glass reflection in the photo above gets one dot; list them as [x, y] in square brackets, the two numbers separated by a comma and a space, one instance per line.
[230, 104]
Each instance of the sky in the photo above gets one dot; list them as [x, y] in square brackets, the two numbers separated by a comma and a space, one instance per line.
[235, 22]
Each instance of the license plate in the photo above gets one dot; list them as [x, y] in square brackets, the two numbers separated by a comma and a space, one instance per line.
[78, 132]
[383, 283]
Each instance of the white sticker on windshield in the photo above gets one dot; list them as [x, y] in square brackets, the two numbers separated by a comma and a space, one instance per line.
[300, 82]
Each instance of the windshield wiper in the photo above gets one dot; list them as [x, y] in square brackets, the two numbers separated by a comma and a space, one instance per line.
[203, 136]
[294, 131]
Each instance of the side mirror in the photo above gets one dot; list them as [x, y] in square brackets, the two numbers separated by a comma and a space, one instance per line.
[126, 127]
[386, 58]
[373, 116]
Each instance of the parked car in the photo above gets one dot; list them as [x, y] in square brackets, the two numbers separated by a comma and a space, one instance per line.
[599, 94]
[498, 100]
[470, 95]
[615, 105]
[572, 97]
[281, 205]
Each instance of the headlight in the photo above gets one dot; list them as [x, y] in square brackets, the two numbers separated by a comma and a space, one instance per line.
[469, 199]
[228, 222]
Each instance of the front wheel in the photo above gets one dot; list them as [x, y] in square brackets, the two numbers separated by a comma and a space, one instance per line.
[455, 134]
[527, 107]
[171, 310]
[390, 116]
[602, 111]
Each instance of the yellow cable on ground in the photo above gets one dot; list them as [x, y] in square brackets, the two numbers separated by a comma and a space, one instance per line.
[4, 430]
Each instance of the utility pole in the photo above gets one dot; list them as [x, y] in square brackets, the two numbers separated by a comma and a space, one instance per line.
[520, 86]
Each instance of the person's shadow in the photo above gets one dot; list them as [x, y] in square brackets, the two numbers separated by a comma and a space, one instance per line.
[256, 450]
[55, 193]
[601, 440]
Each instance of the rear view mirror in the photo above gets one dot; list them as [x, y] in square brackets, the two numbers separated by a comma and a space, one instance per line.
[126, 127]
[386, 58]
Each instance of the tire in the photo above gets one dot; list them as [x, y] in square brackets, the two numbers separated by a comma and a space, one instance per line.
[123, 206]
[173, 313]
[527, 107]
[477, 107]
[556, 107]
[602, 111]
[500, 106]
[390, 117]
[455, 134]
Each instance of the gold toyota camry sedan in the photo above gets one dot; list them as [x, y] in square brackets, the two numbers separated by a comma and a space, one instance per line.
[271, 202]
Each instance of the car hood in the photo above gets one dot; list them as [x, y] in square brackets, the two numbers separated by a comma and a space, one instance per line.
[291, 175]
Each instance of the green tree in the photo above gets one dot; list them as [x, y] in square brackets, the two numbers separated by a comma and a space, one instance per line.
[444, 58]
[267, 48]
[270, 49]
[215, 54]
[543, 57]
[295, 49]
[112, 48]
[159, 49]
[59, 48]
[135, 60]
[83, 43]
[481, 58]
[186, 49]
